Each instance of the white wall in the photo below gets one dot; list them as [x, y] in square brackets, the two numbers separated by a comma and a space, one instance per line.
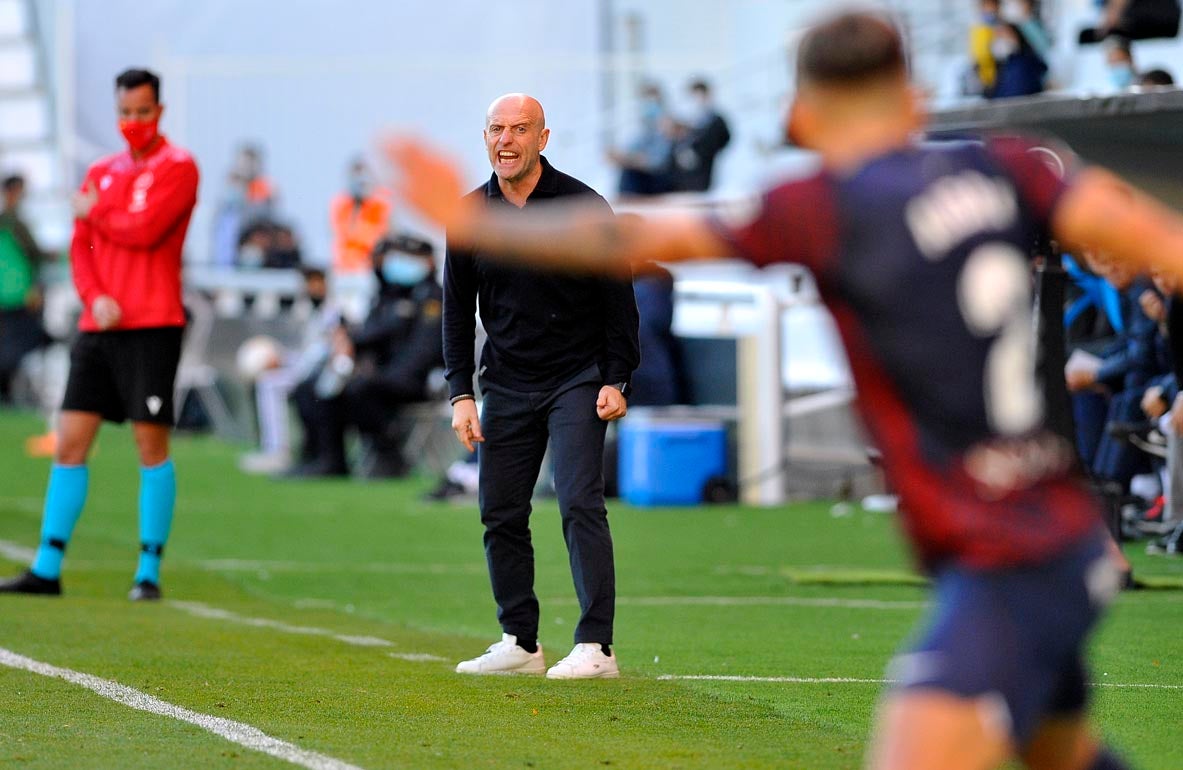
[314, 81]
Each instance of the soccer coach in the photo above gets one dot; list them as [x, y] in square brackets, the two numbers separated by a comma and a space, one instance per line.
[130, 222]
[556, 366]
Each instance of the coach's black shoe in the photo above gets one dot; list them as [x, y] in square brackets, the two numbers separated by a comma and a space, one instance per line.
[29, 583]
[144, 591]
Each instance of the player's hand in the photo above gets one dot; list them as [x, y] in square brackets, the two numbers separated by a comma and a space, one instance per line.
[1152, 403]
[341, 344]
[1080, 379]
[1153, 306]
[467, 424]
[83, 202]
[611, 404]
[106, 312]
[432, 184]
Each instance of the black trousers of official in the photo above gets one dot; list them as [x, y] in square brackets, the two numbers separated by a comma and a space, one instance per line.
[517, 427]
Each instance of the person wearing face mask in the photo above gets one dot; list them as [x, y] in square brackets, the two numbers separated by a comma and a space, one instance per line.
[374, 369]
[1023, 14]
[1021, 71]
[704, 136]
[644, 163]
[981, 37]
[130, 219]
[1119, 61]
[359, 216]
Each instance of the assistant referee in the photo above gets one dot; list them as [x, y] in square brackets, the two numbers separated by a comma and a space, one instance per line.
[131, 216]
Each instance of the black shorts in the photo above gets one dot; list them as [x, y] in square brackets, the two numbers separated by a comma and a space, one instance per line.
[1017, 634]
[125, 374]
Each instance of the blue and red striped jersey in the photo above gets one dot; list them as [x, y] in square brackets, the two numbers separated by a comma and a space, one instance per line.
[922, 255]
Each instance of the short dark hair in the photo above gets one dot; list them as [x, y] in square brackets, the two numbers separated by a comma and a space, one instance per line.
[134, 78]
[12, 182]
[850, 49]
[1156, 77]
[700, 85]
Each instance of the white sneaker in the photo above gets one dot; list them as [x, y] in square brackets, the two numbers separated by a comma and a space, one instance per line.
[586, 661]
[505, 657]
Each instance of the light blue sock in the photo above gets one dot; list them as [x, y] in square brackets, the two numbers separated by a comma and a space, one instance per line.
[64, 498]
[158, 497]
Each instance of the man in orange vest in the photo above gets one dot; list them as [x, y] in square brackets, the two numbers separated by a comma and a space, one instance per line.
[360, 216]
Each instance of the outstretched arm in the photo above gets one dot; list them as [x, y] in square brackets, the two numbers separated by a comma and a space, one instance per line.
[570, 236]
[1104, 213]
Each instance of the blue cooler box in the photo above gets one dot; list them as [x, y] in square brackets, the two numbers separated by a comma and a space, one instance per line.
[668, 461]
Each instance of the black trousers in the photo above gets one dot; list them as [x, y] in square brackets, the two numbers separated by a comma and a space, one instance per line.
[517, 427]
[369, 403]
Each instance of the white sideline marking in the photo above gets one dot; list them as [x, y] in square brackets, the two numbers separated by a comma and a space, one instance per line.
[304, 567]
[236, 732]
[16, 552]
[773, 679]
[201, 610]
[417, 657]
[19, 553]
[754, 601]
[853, 680]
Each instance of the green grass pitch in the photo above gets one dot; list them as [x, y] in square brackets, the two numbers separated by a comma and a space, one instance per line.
[305, 567]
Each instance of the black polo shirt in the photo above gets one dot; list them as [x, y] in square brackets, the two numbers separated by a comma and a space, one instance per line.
[543, 327]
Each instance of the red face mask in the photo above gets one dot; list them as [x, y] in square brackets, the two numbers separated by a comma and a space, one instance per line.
[139, 133]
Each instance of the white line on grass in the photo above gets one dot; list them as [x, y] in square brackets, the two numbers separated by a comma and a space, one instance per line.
[308, 568]
[417, 657]
[201, 610]
[754, 601]
[236, 732]
[16, 552]
[854, 680]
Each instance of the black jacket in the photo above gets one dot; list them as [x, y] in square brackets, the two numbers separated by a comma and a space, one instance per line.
[400, 340]
[543, 327]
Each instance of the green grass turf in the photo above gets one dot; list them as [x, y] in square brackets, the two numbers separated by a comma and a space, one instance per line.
[371, 559]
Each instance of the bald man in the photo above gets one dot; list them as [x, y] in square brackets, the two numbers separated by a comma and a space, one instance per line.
[556, 368]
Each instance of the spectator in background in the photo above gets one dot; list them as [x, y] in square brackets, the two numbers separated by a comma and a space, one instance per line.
[1111, 392]
[1024, 14]
[1021, 70]
[658, 379]
[1156, 78]
[377, 368]
[282, 372]
[704, 136]
[229, 220]
[359, 217]
[645, 163]
[1119, 60]
[259, 191]
[269, 245]
[981, 41]
[20, 296]
[1134, 20]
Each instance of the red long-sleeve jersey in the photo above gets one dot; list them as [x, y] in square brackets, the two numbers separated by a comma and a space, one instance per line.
[129, 247]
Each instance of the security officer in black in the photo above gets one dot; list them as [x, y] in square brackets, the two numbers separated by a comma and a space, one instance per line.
[555, 369]
[377, 367]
